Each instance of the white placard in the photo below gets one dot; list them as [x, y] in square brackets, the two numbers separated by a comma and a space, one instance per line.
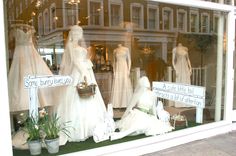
[188, 94]
[46, 81]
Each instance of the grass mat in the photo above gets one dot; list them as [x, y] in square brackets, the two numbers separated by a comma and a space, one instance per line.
[90, 144]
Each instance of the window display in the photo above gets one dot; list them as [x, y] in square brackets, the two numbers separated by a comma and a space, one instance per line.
[154, 40]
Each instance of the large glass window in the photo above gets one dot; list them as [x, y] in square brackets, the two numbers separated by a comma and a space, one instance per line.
[183, 48]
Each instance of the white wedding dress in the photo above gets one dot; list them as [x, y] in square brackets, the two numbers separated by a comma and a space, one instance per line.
[121, 89]
[26, 61]
[141, 117]
[83, 114]
[182, 70]
[181, 67]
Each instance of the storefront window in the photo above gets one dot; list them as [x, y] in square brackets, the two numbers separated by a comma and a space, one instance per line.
[118, 42]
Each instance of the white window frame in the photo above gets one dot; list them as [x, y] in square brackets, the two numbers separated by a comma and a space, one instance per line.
[40, 24]
[141, 24]
[171, 18]
[195, 12]
[116, 2]
[156, 7]
[65, 22]
[101, 13]
[184, 22]
[208, 22]
[46, 22]
[52, 19]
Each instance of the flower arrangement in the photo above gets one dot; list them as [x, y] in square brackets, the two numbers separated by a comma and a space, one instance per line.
[32, 128]
[51, 126]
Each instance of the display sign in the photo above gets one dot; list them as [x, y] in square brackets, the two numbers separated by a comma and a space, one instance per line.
[188, 94]
[32, 83]
[46, 81]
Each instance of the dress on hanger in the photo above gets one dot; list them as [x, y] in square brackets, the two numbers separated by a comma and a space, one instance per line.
[83, 114]
[121, 89]
[26, 61]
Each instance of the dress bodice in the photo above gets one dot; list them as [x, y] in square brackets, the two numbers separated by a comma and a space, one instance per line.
[80, 54]
[23, 38]
[146, 101]
[121, 54]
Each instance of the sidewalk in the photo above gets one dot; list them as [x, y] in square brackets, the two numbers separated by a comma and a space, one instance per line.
[221, 145]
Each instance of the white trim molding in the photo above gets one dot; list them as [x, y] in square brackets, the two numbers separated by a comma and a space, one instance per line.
[207, 24]
[52, 16]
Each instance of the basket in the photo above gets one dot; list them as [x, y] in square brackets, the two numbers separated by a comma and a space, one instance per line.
[84, 90]
[87, 91]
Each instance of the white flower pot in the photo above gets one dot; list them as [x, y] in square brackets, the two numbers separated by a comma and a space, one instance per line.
[52, 145]
[35, 147]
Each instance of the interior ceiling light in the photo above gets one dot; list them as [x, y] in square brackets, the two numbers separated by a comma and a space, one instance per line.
[73, 2]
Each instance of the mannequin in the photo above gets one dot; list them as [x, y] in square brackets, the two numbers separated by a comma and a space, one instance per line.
[140, 116]
[82, 113]
[122, 88]
[182, 67]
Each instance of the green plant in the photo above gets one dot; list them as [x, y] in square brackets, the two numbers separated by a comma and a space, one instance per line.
[32, 128]
[51, 126]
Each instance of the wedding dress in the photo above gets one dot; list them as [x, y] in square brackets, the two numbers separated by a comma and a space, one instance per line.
[122, 88]
[140, 117]
[182, 68]
[83, 114]
[26, 61]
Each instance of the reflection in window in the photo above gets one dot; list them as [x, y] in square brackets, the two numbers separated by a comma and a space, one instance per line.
[137, 15]
[46, 21]
[152, 16]
[167, 19]
[182, 20]
[40, 24]
[53, 18]
[115, 14]
[95, 13]
[205, 23]
[194, 22]
[70, 14]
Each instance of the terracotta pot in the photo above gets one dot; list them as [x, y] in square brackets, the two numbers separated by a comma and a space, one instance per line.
[35, 147]
[52, 145]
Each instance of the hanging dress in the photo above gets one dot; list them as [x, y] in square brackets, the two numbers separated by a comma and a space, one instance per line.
[121, 88]
[26, 61]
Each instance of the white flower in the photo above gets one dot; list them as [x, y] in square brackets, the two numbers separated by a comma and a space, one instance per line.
[36, 127]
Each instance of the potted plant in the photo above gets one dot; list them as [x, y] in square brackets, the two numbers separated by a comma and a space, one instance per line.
[51, 128]
[32, 128]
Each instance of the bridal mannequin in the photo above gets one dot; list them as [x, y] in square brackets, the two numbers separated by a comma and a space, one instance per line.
[182, 67]
[82, 113]
[140, 116]
[122, 88]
